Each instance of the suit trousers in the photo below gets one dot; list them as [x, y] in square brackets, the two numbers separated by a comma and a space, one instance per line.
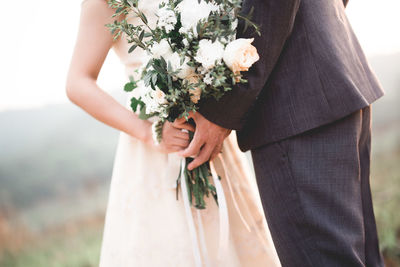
[316, 195]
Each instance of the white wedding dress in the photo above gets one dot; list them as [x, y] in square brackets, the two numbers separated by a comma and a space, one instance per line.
[146, 226]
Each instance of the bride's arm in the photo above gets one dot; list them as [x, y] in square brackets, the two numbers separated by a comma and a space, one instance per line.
[92, 46]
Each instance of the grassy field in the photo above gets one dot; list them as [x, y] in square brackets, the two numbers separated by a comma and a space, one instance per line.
[78, 244]
[385, 183]
[73, 245]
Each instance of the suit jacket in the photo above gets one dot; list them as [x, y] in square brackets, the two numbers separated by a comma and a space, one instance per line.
[312, 71]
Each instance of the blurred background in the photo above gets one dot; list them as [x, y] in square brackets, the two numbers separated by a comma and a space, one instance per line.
[56, 161]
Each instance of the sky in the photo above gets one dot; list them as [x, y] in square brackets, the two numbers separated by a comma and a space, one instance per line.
[38, 39]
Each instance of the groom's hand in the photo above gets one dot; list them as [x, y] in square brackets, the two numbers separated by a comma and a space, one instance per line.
[207, 140]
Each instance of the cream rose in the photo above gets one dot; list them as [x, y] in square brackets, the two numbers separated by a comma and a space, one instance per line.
[195, 94]
[209, 53]
[240, 55]
[158, 96]
[153, 100]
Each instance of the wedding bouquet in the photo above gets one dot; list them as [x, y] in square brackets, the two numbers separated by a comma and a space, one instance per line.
[193, 54]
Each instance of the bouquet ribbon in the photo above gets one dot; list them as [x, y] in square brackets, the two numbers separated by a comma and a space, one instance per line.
[198, 242]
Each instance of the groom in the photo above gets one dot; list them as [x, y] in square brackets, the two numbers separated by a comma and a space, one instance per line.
[305, 114]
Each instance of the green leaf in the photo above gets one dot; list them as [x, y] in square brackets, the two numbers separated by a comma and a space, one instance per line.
[169, 67]
[154, 78]
[133, 47]
[143, 17]
[130, 86]
[169, 82]
[250, 15]
[142, 114]
[134, 103]
[147, 79]
[141, 35]
[163, 63]
[159, 69]
[188, 182]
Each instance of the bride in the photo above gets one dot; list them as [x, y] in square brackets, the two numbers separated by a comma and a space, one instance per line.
[145, 223]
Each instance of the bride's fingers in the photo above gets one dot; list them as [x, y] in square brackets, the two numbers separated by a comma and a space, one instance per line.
[185, 125]
[173, 149]
[180, 142]
[182, 135]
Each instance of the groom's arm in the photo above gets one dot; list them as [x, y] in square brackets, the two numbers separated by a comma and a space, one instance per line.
[215, 118]
[276, 18]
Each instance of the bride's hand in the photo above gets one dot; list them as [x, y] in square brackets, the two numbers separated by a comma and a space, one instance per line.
[173, 138]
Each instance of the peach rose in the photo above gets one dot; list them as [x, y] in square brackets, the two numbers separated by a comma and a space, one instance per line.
[240, 55]
[196, 93]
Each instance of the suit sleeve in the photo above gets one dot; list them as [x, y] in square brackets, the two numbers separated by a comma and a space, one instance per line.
[276, 19]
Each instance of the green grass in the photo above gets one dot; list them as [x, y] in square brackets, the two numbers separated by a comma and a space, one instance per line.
[77, 249]
[386, 195]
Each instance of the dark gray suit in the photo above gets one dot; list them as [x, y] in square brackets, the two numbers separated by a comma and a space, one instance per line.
[305, 114]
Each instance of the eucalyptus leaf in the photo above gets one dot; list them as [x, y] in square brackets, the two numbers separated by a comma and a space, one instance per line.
[141, 35]
[133, 47]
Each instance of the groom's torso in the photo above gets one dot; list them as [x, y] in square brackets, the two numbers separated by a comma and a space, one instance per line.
[321, 75]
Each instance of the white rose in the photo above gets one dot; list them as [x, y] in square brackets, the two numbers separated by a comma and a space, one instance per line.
[240, 55]
[192, 12]
[184, 69]
[209, 52]
[166, 19]
[161, 49]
